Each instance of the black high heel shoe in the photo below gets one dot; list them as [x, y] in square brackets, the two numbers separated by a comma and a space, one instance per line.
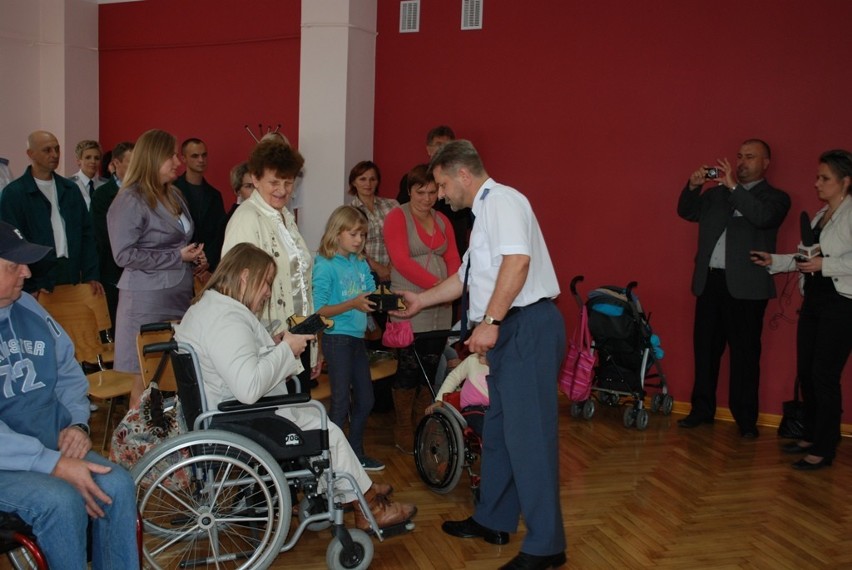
[805, 465]
[794, 447]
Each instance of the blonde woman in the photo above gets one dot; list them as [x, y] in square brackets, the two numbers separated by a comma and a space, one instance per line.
[149, 230]
[240, 360]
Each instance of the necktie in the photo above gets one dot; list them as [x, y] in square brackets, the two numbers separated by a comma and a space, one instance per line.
[91, 188]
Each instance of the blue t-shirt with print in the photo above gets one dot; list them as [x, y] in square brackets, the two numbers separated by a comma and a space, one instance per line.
[337, 280]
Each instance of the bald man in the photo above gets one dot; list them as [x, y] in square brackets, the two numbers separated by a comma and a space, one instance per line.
[49, 210]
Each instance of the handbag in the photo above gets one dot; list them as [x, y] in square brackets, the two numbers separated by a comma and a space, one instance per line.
[793, 421]
[398, 334]
[575, 376]
[150, 424]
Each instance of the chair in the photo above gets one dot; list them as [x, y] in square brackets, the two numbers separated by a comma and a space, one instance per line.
[82, 293]
[72, 308]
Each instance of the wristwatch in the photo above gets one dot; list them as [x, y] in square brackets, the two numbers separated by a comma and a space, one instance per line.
[84, 427]
[489, 320]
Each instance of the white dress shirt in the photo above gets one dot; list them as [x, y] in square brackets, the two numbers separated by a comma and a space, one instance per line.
[505, 225]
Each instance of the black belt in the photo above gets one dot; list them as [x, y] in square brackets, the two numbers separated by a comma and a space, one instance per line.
[514, 310]
[717, 270]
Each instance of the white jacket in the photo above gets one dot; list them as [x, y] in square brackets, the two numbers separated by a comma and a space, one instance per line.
[237, 356]
[835, 242]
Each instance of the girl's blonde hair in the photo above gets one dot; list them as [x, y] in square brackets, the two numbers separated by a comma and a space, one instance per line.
[152, 149]
[227, 277]
[342, 219]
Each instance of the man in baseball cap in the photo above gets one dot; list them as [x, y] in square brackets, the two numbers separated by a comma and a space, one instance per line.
[49, 475]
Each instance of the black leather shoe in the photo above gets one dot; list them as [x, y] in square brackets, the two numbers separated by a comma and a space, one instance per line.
[794, 447]
[691, 421]
[749, 433]
[524, 561]
[805, 465]
[469, 528]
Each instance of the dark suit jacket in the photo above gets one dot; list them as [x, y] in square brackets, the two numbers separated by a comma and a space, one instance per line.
[208, 213]
[763, 208]
[24, 206]
[101, 201]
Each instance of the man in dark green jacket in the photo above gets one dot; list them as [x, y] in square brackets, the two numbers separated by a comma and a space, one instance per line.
[49, 210]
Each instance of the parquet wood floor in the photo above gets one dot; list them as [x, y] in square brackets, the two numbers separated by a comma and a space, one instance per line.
[665, 498]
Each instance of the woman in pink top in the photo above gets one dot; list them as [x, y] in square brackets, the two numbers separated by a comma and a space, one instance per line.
[422, 249]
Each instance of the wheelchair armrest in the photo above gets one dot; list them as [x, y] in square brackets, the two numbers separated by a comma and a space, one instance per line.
[265, 402]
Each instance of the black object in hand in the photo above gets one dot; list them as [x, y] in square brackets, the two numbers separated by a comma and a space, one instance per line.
[711, 173]
[385, 300]
[311, 325]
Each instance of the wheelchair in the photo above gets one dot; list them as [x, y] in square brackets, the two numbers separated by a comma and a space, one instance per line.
[445, 445]
[19, 545]
[221, 494]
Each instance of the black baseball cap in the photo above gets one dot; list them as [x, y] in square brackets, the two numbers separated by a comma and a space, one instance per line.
[14, 248]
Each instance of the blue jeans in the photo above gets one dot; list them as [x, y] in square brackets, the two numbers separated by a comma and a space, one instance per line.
[349, 370]
[57, 514]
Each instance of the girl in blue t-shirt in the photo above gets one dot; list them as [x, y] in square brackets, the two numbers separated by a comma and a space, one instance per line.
[341, 283]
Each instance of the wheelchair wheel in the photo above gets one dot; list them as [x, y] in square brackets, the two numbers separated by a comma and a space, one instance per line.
[337, 558]
[211, 498]
[439, 451]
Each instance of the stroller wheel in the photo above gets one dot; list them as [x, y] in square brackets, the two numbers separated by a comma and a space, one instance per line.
[656, 402]
[668, 404]
[576, 409]
[641, 419]
[629, 417]
[589, 409]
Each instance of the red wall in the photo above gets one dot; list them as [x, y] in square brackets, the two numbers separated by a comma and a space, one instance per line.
[200, 69]
[598, 111]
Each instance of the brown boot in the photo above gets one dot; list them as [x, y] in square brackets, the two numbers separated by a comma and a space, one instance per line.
[386, 512]
[403, 432]
[382, 489]
[422, 401]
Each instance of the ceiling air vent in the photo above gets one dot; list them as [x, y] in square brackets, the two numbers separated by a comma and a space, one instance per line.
[471, 17]
[409, 16]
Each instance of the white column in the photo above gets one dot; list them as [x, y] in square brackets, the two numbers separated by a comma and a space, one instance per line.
[336, 103]
[49, 66]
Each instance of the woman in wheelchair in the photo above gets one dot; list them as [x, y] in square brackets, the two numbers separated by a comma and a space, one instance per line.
[240, 360]
[470, 374]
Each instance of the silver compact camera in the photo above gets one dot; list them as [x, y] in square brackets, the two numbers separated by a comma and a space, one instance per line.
[711, 173]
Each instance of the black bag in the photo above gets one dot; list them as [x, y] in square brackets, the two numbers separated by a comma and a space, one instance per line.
[793, 422]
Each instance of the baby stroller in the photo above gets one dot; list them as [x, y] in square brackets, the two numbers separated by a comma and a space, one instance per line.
[628, 353]
[445, 443]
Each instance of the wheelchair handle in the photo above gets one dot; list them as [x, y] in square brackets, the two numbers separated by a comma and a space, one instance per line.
[160, 347]
[155, 327]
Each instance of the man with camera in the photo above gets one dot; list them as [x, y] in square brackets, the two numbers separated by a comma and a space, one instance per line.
[740, 213]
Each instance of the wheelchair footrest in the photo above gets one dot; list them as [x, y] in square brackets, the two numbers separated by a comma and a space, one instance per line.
[395, 530]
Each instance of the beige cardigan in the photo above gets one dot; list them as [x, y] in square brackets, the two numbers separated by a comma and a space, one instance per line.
[256, 222]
